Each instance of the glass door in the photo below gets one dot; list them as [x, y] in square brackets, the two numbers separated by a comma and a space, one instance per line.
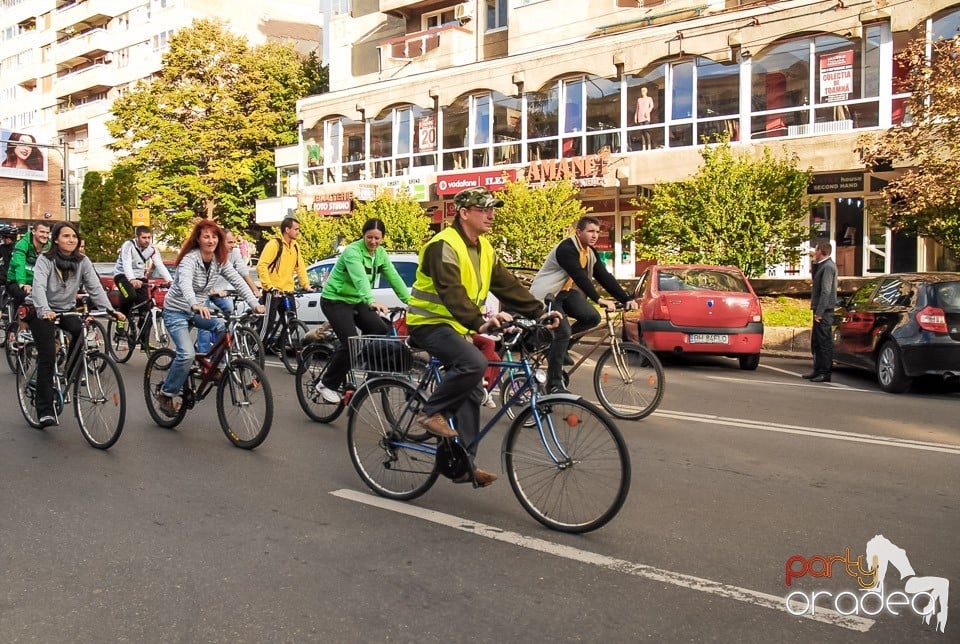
[876, 255]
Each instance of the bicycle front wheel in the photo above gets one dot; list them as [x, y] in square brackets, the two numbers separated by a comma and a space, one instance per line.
[292, 344]
[630, 382]
[120, 341]
[96, 336]
[313, 364]
[392, 460]
[158, 365]
[244, 404]
[10, 347]
[26, 392]
[247, 344]
[573, 473]
[100, 401]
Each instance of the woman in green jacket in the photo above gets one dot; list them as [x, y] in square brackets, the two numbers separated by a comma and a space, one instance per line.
[347, 300]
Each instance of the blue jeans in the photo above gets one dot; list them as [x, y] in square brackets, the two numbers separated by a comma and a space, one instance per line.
[205, 339]
[178, 326]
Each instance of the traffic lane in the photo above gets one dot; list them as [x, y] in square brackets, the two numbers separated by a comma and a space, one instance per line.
[316, 456]
[773, 394]
[176, 535]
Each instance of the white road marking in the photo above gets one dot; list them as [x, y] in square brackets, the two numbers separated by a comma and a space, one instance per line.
[659, 575]
[815, 432]
[816, 385]
[779, 370]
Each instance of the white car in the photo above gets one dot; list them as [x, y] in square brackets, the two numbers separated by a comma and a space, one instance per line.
[308, 304]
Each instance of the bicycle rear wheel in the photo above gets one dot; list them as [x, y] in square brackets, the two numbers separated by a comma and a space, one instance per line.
[247, 344]
[158, 365]
[10, 347]
[26, 391]
[635, 391]
[121, 341]
[393, 461]
[100, 401]
[575, 476]
[292, 343]
[244, 404]
[313, 364]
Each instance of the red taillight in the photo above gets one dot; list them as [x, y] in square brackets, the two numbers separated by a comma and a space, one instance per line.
[930, 318]
[661, 312]
[756, 314]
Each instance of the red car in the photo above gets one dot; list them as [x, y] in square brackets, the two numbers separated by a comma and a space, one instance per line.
[106, 272]
[697, 309]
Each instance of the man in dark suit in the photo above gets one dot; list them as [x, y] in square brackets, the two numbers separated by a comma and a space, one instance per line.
[823, 299]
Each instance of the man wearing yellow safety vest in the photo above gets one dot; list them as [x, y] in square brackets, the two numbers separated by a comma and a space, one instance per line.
[457, 269]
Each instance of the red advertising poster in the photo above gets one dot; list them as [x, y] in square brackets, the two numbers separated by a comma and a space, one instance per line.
[836, 76]
[451, 184]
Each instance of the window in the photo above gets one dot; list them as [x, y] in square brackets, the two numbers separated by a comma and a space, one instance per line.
[161, 42]
[437, 19]
[496, 14]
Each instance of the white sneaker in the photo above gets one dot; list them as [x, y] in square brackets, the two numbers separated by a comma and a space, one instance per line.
[328, 395]
[488, 400]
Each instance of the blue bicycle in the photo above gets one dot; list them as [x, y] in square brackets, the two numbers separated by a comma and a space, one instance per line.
[565, 459]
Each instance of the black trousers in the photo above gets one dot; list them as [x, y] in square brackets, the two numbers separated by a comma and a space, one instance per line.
[821, 344]
[272, 317]
[573, 304]
[44, 332]
[130, 296]
[345, 319]
[460, 393]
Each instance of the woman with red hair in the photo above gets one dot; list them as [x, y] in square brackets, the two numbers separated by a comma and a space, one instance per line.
[201, 262]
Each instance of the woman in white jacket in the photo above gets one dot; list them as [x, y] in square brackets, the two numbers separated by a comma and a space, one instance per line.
[200, 264]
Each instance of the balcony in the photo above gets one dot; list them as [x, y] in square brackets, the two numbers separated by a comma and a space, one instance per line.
[449, 39]
[404, 7]
[74, 117]
[86, 13]
[83, 48]
[90, 80]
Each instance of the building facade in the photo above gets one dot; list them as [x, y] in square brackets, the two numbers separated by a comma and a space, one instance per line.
[63, 62]
[433, 96]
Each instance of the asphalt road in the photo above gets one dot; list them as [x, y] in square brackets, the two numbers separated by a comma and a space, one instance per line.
[176, 536]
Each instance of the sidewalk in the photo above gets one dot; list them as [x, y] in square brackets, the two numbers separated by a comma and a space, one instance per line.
[786, 342]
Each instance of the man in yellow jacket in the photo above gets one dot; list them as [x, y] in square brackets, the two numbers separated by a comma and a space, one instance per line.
[457, 269]
[279, 260]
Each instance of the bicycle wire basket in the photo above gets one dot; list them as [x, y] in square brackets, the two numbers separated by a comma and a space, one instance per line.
[380, 354]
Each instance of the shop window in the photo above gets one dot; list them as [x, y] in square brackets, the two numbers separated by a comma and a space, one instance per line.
[646, 94]
[456, 128]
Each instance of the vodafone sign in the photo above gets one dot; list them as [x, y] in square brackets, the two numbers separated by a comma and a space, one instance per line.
[451, 184]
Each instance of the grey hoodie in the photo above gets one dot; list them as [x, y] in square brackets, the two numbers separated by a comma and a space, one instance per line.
[52, 293]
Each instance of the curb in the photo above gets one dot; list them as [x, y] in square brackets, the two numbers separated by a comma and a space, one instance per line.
[786, 340]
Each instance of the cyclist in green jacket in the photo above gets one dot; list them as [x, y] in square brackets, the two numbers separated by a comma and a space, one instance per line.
[22, 260]
[347, 299]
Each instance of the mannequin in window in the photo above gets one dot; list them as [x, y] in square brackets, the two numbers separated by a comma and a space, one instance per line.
[642, 116]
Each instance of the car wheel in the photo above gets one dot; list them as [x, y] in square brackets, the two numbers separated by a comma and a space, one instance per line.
[890, 373]
[749, 362]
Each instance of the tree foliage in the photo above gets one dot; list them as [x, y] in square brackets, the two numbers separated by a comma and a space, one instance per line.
[925, 199]
[318, 234]
[737, 209]
[407, 224]
[533, 220]
[200, 136]
[105, 213]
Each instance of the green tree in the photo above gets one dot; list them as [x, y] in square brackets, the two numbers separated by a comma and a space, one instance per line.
[534, 220]
[925, 199]
[407, 224]
[738, 209]
[104, 222]
[200, 136]
[318, 235]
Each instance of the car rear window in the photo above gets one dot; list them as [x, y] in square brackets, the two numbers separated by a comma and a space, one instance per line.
[408, 272]
[702, 279]
[947, 294]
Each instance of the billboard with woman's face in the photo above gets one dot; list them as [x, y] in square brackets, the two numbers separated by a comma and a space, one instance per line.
[20, 158]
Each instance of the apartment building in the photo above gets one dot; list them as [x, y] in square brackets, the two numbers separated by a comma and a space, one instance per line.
[63, 62]
[432, 96]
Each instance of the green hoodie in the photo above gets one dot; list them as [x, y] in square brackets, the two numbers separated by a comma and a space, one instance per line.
[22, 260]
[356, 272]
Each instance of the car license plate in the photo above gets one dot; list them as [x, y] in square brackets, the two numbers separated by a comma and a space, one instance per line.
[708, 338]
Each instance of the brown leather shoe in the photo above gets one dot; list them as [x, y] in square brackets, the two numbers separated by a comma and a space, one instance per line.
[437, 425]
[483, 478]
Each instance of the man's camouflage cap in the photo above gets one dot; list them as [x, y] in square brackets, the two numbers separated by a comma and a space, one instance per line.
[479, 197]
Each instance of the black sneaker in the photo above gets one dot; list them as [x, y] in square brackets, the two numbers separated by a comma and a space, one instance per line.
[558, 389]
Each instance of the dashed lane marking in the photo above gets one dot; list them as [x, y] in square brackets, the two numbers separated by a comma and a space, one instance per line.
[612, 564]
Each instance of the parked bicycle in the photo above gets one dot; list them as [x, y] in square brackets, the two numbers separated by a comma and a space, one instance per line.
[90, 380]
[566, 461]
[627, 378]
[144, 326]
[287, 340]
[244, 397]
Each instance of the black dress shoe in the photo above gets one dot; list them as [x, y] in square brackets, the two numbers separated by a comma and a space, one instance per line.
[809, 376]
[821, 377]
[567, 360]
